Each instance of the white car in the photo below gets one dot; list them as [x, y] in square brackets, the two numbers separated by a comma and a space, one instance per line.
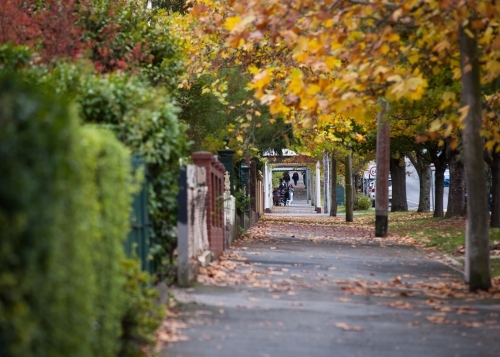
[372, 192]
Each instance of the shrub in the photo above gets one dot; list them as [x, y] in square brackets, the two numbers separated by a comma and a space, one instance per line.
[65, 202]
[361, 202]
[126, 314]
[108, 192]
[145, 120]
[142, 315]
[46, 284]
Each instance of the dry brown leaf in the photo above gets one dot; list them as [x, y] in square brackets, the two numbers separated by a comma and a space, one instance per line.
[346, 327]
[402, 305]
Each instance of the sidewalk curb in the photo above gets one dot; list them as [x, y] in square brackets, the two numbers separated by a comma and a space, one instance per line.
[447, 260]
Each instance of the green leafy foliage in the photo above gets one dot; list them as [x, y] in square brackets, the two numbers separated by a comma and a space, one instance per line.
[361, 202]
[145, 120]
[12, 57]
[218, 106]
[142, 316]
[46, 291]
[126, 35]
[242, 200]
[170, 5]
[65, 199]
[108, 180]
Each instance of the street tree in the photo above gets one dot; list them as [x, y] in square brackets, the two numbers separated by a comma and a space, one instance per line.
[349, 55]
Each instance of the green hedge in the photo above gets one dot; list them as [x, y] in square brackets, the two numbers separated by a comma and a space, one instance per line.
[143, 117]
[46, 291]
[107, 194]
[65, 202]
[126, 315]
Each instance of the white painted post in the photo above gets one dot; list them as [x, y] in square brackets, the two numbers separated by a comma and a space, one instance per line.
[318, 187]
[267, 189]
[311, 182]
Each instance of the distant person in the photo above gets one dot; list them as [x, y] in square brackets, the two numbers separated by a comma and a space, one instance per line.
[304, 178]
[276, 196]
[286, 177]
[282, 185]
[290, 195]
[295, 178]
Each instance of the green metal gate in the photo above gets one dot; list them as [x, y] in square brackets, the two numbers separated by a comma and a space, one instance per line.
[340, 195]
[138, 240]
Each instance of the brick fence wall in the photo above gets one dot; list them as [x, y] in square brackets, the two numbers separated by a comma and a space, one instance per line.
[215, 205]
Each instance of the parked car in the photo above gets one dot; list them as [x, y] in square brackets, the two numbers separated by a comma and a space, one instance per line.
[372, 192]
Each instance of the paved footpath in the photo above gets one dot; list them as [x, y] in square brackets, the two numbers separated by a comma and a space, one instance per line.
[297, 286]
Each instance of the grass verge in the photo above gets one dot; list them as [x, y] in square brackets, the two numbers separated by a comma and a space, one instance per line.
[370, 211]
[446, 235]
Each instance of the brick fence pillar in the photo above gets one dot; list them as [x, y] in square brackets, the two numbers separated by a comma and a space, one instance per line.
[215, 208]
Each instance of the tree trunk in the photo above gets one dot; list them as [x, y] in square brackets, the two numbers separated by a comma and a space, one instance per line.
[439, 161]
[424, 175]
[356, 180]
[333, 184]
[424, 199]
[349, 207]
[495, 191]
[382, 178]
[399, 202]
[456, 193]
[477, 262]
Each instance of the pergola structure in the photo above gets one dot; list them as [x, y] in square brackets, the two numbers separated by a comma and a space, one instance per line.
[289, 161]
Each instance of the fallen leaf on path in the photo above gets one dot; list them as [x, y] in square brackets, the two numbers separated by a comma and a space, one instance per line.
[342, 299]
[402, 305]
[346, 327]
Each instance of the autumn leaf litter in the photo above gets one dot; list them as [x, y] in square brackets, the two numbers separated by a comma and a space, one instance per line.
[234, 269]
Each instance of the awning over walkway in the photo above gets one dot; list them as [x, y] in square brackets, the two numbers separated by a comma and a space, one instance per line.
[290, 162]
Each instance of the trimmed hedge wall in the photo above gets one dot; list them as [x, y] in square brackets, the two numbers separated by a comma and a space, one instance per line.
[108, 198]
[46, 277]
[65, 201]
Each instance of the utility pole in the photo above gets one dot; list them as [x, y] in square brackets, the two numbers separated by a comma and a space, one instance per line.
[382, 182]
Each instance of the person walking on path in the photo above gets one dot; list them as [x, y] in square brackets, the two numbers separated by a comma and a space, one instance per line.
[290, 195]
[282, 185]
[295, 178]
[286, 177]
